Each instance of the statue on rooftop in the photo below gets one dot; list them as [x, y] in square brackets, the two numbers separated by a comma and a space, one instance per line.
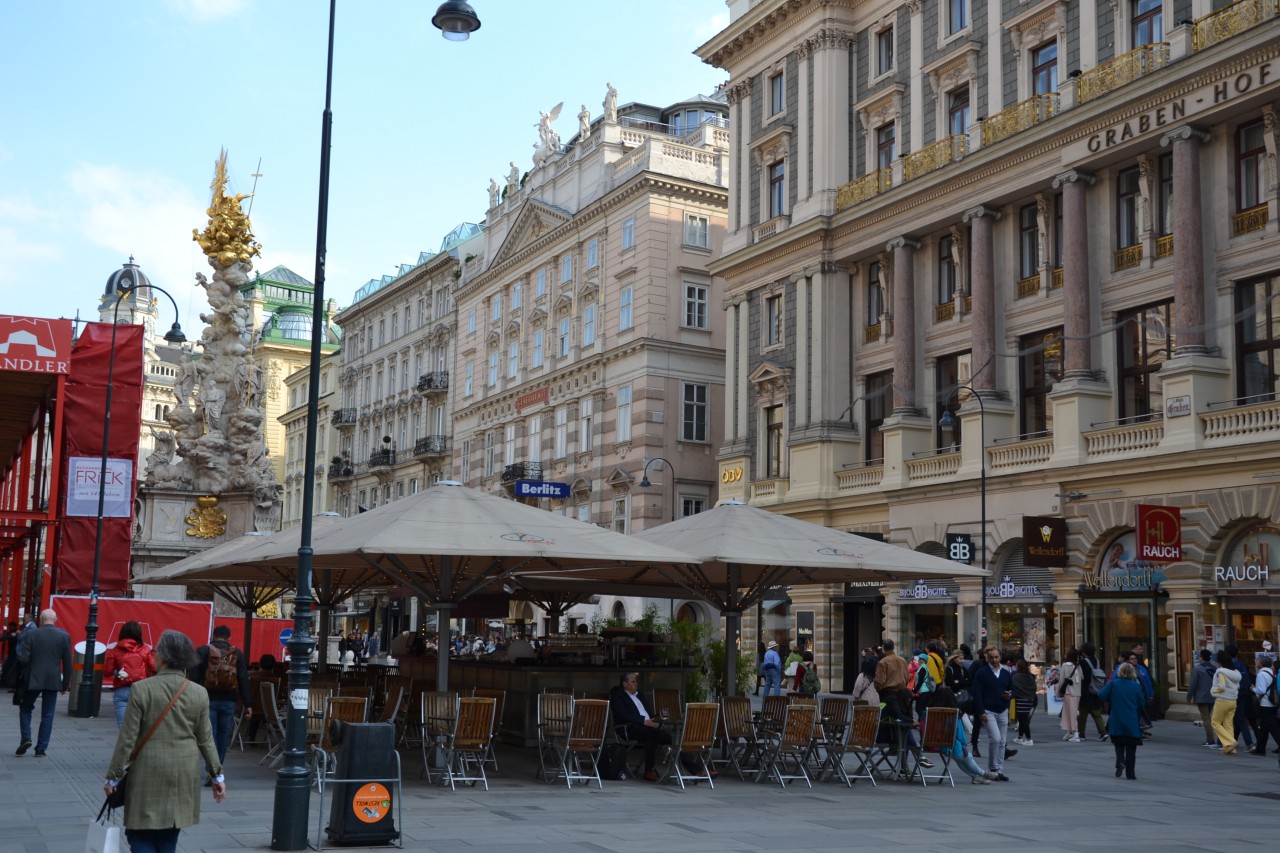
[548, 144]
[610, 104]
[584, 124]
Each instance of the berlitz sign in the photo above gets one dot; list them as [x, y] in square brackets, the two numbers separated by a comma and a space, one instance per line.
[539, 489]
[34, 345]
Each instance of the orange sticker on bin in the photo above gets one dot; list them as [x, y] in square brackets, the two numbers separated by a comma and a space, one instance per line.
[371, 803]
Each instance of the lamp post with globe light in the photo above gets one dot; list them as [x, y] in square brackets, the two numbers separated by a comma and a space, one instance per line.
[644, 481]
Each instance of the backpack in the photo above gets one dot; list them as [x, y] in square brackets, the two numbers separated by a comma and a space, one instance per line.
[1271, 692]
[924, 681]
[811, 684]
[1097, 678]
[134, 666]
[220, 673]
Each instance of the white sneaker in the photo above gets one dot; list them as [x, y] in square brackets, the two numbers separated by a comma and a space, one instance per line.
[1074, 739]
[1067, 736]
[1028, 742]
[981, 780]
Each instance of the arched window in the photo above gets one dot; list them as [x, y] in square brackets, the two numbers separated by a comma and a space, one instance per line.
[619, 612]
[687, 613]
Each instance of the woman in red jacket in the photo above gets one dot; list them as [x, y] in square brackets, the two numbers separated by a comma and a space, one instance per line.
[128, 661]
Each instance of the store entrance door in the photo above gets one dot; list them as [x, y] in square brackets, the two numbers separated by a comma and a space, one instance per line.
[1117, 625]
[861, 631]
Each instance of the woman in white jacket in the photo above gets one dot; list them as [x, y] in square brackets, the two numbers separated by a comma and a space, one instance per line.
[1226, 687]
[1069, 688]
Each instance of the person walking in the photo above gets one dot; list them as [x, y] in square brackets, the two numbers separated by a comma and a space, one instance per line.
[1264, 691]
[1070, 689]
[1024, 700]
[992, 688]
[1200, 693]
[1090, 684]
[129, 661]
[163, 796]
[1226, 687]
[864, 687]
[1246, 710]
[1127, 699]
[772, 669]
[45, 654]
[222, 670]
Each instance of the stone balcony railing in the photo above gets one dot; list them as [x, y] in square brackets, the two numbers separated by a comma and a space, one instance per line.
[1035, 452]
[1255, 421]
[1231, 21]
[1121, 71]
[859, 479]
[767, 229]
[1127, 438]
[769, 491]
[933, 467]
[1019, 117]
[672, 158]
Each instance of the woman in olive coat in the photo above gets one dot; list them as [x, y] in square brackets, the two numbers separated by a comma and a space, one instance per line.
[163, 794]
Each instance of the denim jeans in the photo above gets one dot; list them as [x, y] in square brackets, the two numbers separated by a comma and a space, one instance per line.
[965, 762]
[120, 699]
[152, 840]
[222, 716]
[48, 707]
[772, 681]
[997, 726]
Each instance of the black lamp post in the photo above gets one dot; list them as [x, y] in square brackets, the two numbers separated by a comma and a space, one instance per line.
[948, 424]
[84, 694]
[644, 481]
[456, 20]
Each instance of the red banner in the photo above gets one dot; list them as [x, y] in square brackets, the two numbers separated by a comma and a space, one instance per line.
[193, 618]
[84, 408]
[1159, 533]
[34, 344]
[265, 639]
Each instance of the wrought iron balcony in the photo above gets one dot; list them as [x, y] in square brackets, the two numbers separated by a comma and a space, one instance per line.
[382, 458]
[341, 470]
[435, 381]
[522, 471]
[1232, 21]
[1122, 70]
[431, 445]
[1019, 117]
[343, 417]
[860, 189]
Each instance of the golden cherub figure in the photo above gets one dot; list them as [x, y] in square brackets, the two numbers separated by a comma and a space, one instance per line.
[228, 237]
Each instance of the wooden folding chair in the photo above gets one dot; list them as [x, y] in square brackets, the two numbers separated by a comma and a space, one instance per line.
[771, 711]
[438, 712]
[273, 722]
[468, 743]
[589, 719]
[940, 737]
[833, 725]
[317, 700]
[346, 709]
[390, 712]
[790, 745]
[500, 703]
[860, 741]
[555, 710]
[696, 738]
[665, 699]
[740, 735]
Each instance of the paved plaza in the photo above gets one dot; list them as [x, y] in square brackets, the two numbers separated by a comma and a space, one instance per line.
[1062, 797]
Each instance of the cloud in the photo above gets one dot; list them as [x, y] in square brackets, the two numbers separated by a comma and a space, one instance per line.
[207, 10]
[704, 31]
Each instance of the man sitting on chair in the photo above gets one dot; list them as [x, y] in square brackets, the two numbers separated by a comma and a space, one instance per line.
[630, 710]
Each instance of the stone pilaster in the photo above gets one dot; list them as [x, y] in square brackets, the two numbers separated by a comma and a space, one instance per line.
[1075, 273]
[1188, 239]
[904, 324]
[982, 286]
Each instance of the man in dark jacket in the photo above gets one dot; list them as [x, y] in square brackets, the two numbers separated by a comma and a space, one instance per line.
[991, 686]
[45, 653]
[630, 710]
[1090, 704]
[222, 701]
[1198, 692]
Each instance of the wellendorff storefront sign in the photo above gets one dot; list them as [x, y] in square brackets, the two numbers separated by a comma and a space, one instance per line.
[1044, 541]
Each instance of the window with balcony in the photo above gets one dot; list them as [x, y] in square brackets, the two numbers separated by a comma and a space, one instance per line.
[1147, 22]
[561, 437]
[693, 414]
[1251, 152]
[623, 427]
[958, 111]
[1128, 203]
[957, 16]
[1028, 242]
[539, 338]
[589, 325]
[624, 308]
[773, 447]
[773, 320]
[884, 51]
[540, 283]
[777, 189]
[1039, 366]
[513, 360]
[697, 231]
[1044, 68]
[534, 446]
[950, 372]
[946, 271]
[886, 145]
[1146, 340]
[777, 93]
[629, 232]
[493, 368]
[695, 306]
[563, 339]
[877, 402]
[586, 426]
[1257, 339]
[1164, 195]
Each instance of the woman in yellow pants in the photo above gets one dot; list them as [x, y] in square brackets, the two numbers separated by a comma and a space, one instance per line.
[1226, 687]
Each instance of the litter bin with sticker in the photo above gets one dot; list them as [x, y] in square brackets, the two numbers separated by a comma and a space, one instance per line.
[366, 785]
[77, 675]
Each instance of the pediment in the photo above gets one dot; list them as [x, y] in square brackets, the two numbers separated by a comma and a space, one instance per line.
[494, 337]
[589, 289]
[513, 328]
[564, 303]
[772, 383]
[534, 220]
[619, 479]
[537, 316]
[769, 372]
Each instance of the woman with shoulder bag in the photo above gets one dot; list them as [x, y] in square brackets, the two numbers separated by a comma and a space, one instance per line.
[1069, 687]
[166, 730]
[864, 688]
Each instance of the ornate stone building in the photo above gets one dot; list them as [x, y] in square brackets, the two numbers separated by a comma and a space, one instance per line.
[294, 423]
[1054, 223]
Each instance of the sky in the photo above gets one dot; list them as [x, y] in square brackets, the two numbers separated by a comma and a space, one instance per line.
[113, 112]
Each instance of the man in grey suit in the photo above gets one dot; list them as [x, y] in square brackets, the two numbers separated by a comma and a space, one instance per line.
[45, 653]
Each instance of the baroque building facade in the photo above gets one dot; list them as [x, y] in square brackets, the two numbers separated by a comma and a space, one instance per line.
[1054, 224]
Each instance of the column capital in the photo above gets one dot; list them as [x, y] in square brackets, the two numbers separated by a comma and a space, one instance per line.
[902, 242]
[1072, 176]
[1187, 131]
[979, 212]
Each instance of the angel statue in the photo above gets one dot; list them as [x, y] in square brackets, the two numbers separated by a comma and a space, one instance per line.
[549, 140]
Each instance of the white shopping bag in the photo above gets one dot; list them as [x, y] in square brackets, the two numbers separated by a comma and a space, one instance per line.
[102, 838]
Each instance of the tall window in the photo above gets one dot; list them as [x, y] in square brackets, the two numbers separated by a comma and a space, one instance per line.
[1250, 153]
[493, 368]
[509, 444]
[950, 372]
[875, 293]
[465, 461]
[586, 432]
[695, 306]
[513, 360]
[628, 232]
[884, 51]
[540, 283]
[946, 271]
[777, 189]
[1147, 22]
[777, 92]
[517, 295]
[562, 432]
[773, 320]
[1127, 205]
[623, 427]
[566, 268]
[773, 442]
[624, 308]
[886, 143]
[539, 338]
[471, 321]
[534, 430]
[877, 402]
[490, 453]
[593, 254]
[562, 348]
[1258, 340]
[1028, 241]
[468, 382]
[1044, 68]
[589, 325]
[693, 416]
[1146, 341]
[957, 16]
[1037, 369]
[1164, 195]
[958, 111]
[497, 307]
[621, 514]
[696, 231]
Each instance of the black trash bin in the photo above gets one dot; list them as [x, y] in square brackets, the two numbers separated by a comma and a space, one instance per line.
[77, 674]
[361, 812]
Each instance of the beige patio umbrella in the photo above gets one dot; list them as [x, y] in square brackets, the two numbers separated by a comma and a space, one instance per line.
[745, 553]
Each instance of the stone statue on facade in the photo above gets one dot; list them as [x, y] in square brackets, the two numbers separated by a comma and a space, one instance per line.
[513, 178]
[548, 144]
[495, 192]
[584, 124]
[610, 104]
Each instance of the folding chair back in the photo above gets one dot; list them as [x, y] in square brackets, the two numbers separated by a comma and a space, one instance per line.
[590, 719]
[391, 708]
[802, 699]
[737, 718]
[696, 740]
[362, 691]
[499, 698]
[317, 699]
[274, 723]
[555, 711]
[772, 709]
[835, 709]
[861, 742]
[939, 735]
[346, 709]
[439, 710]
[474, 726]
[797, 726]
[790, 746]
[668, 700]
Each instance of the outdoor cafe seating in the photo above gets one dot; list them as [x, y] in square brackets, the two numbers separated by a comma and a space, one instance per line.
[466, 744]
[786, 750]
[437, 714]
[577, 747]
[694, 743]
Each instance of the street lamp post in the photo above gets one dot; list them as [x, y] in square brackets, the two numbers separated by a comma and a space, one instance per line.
[948, 423]
[84, 694]
[456, 20]
[644, 481]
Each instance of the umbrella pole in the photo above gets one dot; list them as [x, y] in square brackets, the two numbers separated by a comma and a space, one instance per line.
[733, 624]
[248, 624]
[443, 644]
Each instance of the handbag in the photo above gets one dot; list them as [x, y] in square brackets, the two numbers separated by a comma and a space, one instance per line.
[792, 669]
[115, 799]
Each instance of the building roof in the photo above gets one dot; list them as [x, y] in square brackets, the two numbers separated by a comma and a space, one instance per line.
[284, 275]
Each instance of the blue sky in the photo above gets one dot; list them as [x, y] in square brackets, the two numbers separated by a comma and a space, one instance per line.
[112, 113]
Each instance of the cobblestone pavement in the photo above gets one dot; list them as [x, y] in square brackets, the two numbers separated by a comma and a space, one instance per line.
[1062, 796]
